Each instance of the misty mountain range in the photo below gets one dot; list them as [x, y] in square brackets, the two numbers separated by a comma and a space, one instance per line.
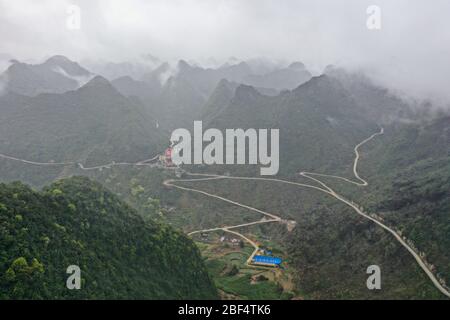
[61, 111]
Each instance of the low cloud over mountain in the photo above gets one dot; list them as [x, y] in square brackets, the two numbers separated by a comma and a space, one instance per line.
[408, 53]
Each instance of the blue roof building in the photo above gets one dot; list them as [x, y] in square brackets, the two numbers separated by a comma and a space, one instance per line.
[267, 261]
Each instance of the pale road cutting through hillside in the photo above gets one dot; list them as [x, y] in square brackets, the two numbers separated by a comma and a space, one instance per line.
[327, 190]
[80, 165]
[274, 218]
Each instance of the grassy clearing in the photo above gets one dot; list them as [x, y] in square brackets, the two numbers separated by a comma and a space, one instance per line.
[235, 279]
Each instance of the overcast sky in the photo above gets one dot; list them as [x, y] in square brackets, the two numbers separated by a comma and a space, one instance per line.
[410, 52]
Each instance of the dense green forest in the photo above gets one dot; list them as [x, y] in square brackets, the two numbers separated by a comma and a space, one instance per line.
[79, 222]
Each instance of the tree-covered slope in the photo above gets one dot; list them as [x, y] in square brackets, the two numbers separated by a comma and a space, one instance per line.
[410, 174]
[79, 222]
[319, 122]
[56, 75]
[93, 125]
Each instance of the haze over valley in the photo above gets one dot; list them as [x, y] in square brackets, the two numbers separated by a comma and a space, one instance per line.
[86, 162]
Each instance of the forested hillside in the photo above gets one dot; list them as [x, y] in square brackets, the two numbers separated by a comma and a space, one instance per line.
[79, 222]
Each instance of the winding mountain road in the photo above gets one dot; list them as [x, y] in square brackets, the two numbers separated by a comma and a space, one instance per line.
[326, 189]
[80, 165]
[272, 217]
